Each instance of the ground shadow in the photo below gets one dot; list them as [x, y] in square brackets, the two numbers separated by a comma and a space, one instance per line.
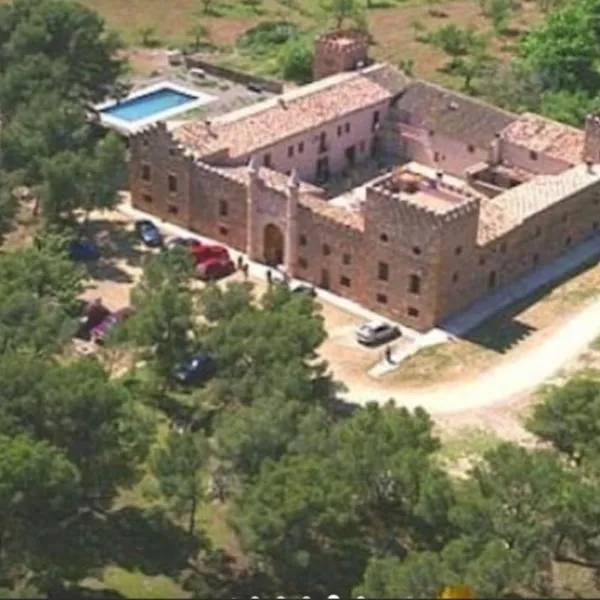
[135, 539]
[117, 245]
[504, 330]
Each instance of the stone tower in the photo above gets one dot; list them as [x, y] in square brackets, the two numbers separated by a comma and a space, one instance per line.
[291, 232]
[591, 146]
[339, 51]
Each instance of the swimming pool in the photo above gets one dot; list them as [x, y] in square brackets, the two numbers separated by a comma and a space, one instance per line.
[149, 105]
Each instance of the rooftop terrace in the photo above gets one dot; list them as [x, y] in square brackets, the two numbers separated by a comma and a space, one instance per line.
[419, 185]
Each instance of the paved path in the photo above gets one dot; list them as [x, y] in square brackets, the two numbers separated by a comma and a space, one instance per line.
[499, 384]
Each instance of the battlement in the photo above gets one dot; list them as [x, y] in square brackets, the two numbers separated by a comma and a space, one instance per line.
[433, 199]
[339, 51]
[343, 41]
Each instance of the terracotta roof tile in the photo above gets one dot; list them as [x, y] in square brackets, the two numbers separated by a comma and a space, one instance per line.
[292, 113]
[452, 114]
[510, 209]
[544, 136]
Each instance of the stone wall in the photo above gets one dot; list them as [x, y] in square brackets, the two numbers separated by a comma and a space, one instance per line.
[197, 61]
[330, 253]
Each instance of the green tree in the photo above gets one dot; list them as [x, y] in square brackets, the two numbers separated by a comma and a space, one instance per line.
[268, 349]
[563, 50]
[341, 11]
[297, 61]
[78, 409]
[499, 12]
[568, 417]
[178, 469]
[66, 37]
[39, 487]
[162, 326]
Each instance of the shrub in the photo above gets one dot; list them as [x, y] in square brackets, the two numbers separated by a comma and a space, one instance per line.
[265, 36]
[296, 61]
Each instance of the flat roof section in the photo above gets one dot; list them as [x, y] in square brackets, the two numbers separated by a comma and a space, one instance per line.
[419, 185]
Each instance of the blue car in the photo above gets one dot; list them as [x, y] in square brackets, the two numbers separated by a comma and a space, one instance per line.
[149, 233]
[196, 369]
[83, 250]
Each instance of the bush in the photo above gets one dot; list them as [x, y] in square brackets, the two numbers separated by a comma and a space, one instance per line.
[296, 61]
[265, 36]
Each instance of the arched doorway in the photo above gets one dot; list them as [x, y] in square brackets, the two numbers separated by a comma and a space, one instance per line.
[273, 245]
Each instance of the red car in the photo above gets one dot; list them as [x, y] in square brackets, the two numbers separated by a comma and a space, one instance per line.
[99, 332]
[203, 253]
[215, 268]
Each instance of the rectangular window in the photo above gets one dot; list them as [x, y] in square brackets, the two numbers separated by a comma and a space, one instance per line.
[302, 262]
[290, 151]
[345, 281]
[346, 259]
[173, 210]
[147, 199]
[223, 230]
[414, 286]
[471, 148]
[223, 208]
[146, 173]
[300, 147]
[412, 311]
[326, 250]
[339, 130]
[383, 271]
[267, 160]
[302, 239]
[172, 184]
[381, 298]
[347, 127]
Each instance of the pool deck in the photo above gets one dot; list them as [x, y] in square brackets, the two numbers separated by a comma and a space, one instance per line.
[226, 97]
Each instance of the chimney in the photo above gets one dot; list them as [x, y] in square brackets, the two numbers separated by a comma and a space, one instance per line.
[589, 165]
[253, 166]
[294, 180]
[496, 149]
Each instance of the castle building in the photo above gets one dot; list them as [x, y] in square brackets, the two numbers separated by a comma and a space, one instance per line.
[475, 198]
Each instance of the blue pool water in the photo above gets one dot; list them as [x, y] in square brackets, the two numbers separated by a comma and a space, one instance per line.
[149, 104]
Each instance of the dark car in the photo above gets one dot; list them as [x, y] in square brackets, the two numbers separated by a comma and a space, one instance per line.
[101, 330]
[149, 234]
[305, 289]
[215, 268]
[377, 332]
[196, 369]
[83, 250]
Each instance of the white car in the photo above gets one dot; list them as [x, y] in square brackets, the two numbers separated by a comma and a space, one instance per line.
[377, 332]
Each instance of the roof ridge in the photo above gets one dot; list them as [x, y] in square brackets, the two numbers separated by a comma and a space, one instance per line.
[464, 96]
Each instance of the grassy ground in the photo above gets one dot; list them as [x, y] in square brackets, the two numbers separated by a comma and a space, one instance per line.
[395, 25]
[519, 327]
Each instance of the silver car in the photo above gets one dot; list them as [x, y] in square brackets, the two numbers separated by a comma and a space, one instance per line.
[377, 332]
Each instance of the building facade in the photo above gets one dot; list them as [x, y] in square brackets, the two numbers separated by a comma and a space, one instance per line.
[477, 197]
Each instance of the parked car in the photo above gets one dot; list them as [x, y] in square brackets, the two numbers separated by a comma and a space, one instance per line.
[82, 249]
[93, 314]
[196, 369]
[181, 241]
[203, 252]
[377, 332]
[215, 268]
[305, 289]
[149, 234]
[101, 330]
